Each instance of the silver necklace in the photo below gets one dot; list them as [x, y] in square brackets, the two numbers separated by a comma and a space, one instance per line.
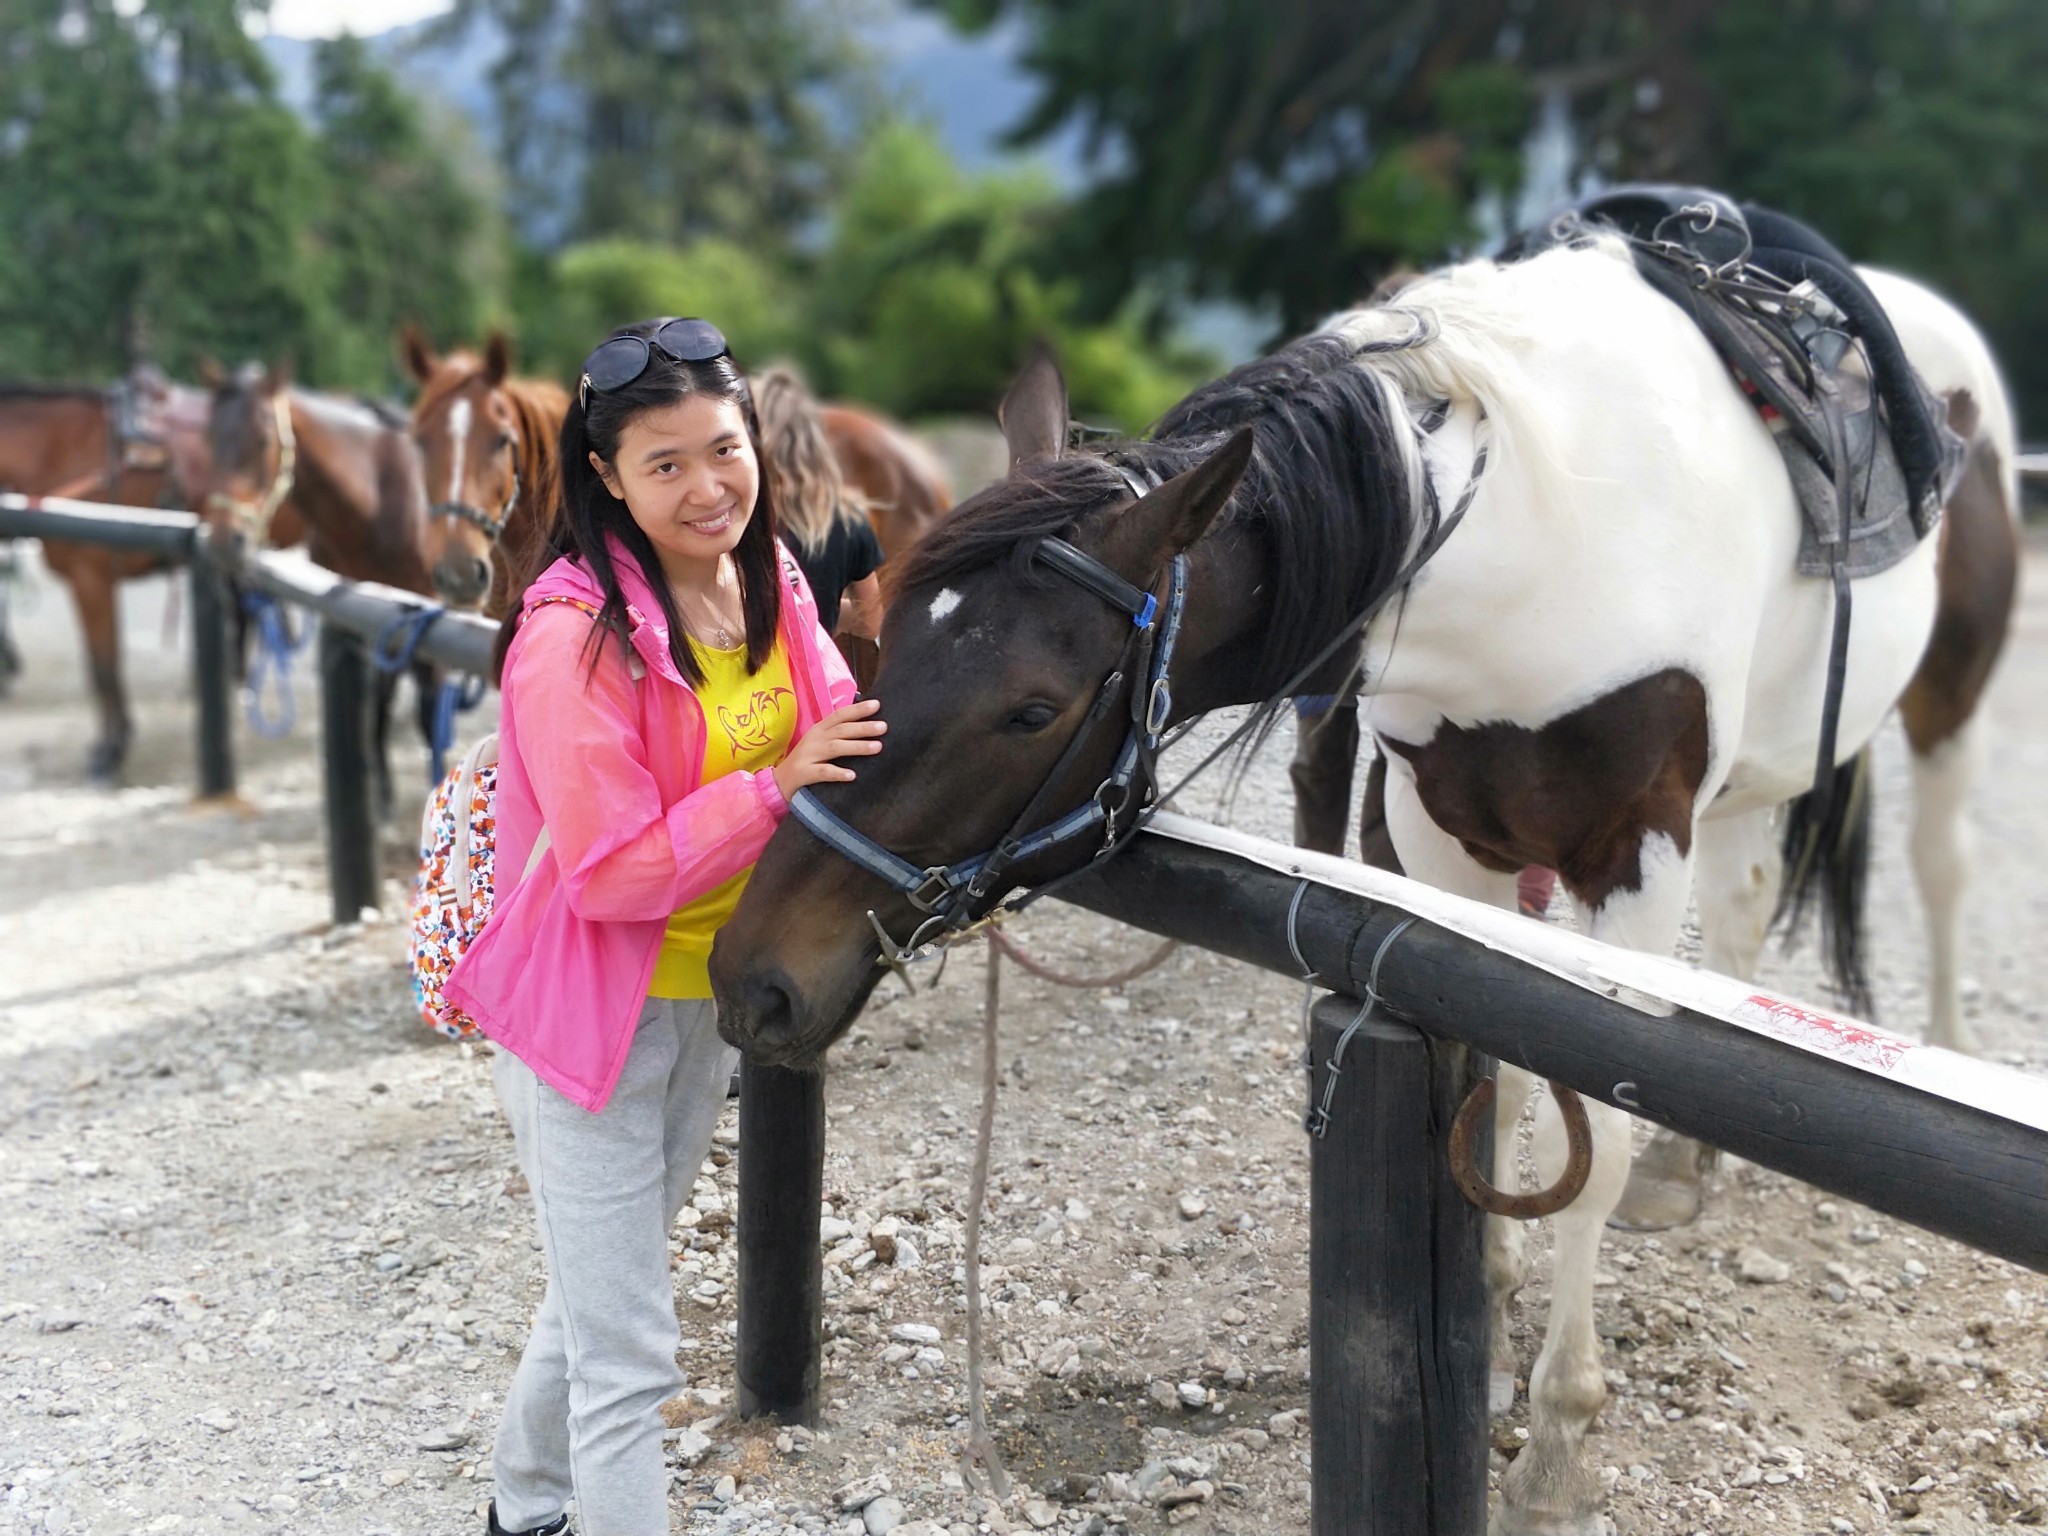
[721, 633]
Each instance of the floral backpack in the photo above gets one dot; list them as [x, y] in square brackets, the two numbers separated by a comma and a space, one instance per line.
[452, 894]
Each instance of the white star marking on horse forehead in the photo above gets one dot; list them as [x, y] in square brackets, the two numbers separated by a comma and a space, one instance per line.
[944, 603]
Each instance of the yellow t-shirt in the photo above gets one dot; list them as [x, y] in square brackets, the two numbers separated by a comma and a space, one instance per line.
[749, 723]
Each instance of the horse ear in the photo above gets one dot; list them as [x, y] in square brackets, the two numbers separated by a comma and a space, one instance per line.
[211, 375]
[279, 375]
[1158, 526]
[497, 358]
[1033, 414]
[420, 361]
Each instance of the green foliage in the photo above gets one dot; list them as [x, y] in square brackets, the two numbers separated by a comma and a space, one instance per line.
[573, 300]
[668, 120]
[75, 101]
[400, 235]
[923, 299]
[931, 290]
[1914, 134]
[157, 200]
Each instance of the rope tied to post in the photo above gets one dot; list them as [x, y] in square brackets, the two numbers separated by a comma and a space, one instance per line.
[270, 666]
[397, 644]
[459, 693]
[1318, 1121]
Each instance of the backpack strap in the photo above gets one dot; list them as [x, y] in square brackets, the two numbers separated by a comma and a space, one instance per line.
[635, 667]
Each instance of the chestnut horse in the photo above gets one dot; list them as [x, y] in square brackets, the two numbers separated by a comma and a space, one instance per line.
[489, 444]
[902, 480]
[143, 445]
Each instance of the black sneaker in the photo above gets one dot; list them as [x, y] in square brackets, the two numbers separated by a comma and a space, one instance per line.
[559, 1526]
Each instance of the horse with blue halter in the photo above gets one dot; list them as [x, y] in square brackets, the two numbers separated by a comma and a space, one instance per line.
[1526, 511]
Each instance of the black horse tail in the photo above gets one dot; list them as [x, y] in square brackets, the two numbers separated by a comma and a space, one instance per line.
[1826, 844]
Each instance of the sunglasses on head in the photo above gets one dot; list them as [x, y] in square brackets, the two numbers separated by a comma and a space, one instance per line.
[620, 361]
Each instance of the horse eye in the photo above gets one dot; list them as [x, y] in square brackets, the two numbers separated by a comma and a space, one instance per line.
[504, 441]
[1033, 717]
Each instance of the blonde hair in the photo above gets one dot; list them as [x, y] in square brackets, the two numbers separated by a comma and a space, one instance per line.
[803, 476]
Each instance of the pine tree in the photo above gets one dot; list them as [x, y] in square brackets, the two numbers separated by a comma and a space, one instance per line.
[400, 235]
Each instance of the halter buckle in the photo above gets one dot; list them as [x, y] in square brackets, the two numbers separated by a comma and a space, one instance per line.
[1159, 706]
[936, 886]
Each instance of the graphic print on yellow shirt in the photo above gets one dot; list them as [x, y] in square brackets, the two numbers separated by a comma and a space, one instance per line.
[749, 723]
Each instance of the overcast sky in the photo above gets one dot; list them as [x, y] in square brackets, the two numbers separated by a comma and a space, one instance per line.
[325, 18]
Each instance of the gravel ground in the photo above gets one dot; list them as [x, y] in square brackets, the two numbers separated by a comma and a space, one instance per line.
[266, 1264]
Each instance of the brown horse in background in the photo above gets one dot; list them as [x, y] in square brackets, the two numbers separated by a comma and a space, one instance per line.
[144, 445]
[489, 446]
[902, 480]
[344, 470]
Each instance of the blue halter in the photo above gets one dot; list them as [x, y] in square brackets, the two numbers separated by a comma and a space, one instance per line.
[949, 893]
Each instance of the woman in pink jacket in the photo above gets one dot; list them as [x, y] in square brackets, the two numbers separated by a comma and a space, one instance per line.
[666, 689]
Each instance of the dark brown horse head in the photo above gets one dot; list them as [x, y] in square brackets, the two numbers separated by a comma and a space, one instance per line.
[990, 664]
[253, 453]
[487, 447]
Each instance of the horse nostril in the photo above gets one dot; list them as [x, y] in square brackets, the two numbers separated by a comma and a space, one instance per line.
[770, 1014]
[462, 578]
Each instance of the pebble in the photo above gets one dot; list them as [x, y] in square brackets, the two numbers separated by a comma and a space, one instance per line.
[1197, 1492]
[1760, 1268]
[1192, 1207]
[831, 1229]
[861, 1492]
[915, 1333]
[449, 1437]
[1284, 1426]
[1192, 1394]
[883, 1515]
[689, 1446]
[724, 1489]
[1043, 1516]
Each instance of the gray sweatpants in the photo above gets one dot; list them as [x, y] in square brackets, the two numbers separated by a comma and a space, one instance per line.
[582, 1418]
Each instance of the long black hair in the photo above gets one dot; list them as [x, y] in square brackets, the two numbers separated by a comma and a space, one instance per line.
[589, 516]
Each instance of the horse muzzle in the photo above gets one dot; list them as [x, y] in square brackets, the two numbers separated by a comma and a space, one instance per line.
[461, 579]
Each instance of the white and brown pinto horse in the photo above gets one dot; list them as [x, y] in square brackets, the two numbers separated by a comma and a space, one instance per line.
[1609, 668]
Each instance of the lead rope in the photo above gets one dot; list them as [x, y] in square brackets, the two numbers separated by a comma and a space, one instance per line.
[980, 1447]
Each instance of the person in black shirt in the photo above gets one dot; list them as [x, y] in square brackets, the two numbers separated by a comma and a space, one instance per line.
[824, 520]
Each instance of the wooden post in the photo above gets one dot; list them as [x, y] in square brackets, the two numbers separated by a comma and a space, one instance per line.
[347, 697]
[212, 682]
[781, 1268]
[1397, 1288]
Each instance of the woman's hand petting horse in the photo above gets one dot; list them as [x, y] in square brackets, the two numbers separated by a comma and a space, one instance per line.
[849, 732]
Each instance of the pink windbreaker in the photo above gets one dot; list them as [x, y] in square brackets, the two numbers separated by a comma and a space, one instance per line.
[612, 767]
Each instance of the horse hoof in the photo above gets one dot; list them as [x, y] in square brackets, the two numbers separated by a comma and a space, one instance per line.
[1666, 1187]
[1500, 1392]
[103, 766]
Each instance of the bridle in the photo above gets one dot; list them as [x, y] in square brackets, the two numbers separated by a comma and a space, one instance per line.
[954, 896]
[949, 894]
[254, 517]
[492, 528]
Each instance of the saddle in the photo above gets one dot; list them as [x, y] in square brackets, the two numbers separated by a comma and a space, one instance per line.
[1867, 446]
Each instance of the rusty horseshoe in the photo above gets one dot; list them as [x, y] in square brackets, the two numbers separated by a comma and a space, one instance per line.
[1479, 1189]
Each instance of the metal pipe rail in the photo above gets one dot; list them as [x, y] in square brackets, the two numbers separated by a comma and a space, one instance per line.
[1949, 1143]
[459, 640]
[91, 522]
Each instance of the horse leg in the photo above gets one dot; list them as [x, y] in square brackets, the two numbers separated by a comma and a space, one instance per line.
[387, 685]
[1739, 870]
[1437, 859]
[97, 597]
[1551, 1488]
[1941, 849]
[1325, 755]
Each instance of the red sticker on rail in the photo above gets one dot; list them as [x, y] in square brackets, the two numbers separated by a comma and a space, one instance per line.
[1823, 1033]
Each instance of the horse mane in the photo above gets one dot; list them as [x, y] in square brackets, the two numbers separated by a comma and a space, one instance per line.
[538, 405]
[1334, 491]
